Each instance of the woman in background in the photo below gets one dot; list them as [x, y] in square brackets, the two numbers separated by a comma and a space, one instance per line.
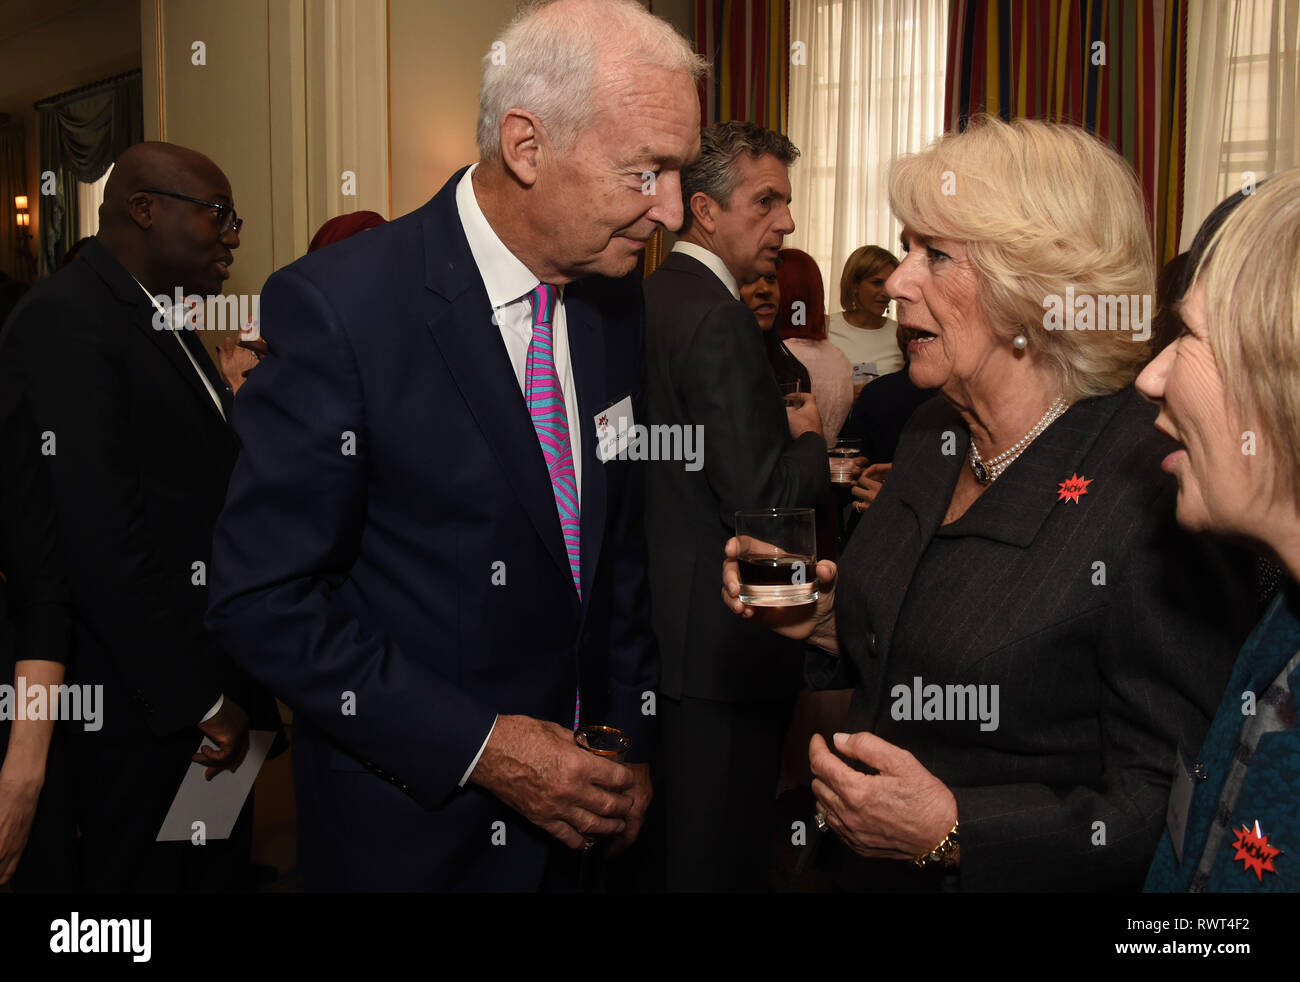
[862, 331]
[763, 296]
[801, 319]
[1229, 391]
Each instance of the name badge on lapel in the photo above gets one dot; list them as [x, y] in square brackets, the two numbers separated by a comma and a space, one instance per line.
[614, 430]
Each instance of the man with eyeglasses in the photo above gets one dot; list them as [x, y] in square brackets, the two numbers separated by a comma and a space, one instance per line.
[134, 423]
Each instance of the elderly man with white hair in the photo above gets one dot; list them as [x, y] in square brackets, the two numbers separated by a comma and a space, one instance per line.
[427, 549]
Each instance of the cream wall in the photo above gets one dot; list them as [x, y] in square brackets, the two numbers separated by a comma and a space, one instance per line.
[72, 46]
[295, 92]
[220, 108]
[435, 57]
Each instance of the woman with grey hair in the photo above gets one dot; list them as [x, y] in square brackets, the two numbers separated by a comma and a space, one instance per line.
[1229, 391]
[1029, 635]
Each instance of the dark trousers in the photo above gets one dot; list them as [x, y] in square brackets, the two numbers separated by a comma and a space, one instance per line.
[124, 786]
[715, 801]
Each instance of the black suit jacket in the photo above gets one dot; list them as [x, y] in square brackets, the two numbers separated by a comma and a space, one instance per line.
[34, 591]
[707, 366]
[139, 469]
[1109, 631]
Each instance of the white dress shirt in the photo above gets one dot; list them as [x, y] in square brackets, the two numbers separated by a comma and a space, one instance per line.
[508, 283]
[713, 261]
[175, 316]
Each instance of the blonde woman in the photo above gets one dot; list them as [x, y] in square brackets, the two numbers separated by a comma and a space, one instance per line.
[1029, 633]
[1229, 392]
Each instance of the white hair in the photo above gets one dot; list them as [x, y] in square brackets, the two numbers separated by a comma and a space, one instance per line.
[545, 62]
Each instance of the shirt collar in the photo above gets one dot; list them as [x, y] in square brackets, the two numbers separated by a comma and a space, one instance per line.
[711, 260]
[504, 276]
[173, 315]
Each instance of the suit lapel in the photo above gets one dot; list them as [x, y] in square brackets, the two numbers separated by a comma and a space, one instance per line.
[1015, 507]
[460, 322]
[926, 497]
[587, 357]
[141, 314]
[209, 369]
[1012, 511]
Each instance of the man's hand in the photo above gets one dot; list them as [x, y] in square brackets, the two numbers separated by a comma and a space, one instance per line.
[642, 792]
[229, 730]
[803, 414]
[535, 767]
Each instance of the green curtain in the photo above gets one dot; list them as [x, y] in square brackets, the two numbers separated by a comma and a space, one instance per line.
[82, 133]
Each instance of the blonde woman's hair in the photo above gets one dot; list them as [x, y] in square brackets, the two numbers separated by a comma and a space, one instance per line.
[1251, 274]
[1042, 208]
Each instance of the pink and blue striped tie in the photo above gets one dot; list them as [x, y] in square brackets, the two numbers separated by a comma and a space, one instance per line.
[545, 401]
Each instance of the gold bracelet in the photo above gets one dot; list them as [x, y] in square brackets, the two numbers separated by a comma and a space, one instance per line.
[947, 852]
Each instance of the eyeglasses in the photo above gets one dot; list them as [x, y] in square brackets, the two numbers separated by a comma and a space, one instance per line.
[226, 217]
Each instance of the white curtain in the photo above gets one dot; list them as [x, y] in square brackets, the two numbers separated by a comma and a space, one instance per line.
[872, 89]
[89, 198]
[1243, 89]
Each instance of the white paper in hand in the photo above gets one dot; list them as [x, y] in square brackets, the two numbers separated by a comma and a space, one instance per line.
[216, 803]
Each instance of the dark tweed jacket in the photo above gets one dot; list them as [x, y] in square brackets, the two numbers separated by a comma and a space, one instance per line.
[1108, 630]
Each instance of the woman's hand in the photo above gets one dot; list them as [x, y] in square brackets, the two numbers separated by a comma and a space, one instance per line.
[801, 622]
[17, 809]
[868, 485]
[900, 813]
[235, 361]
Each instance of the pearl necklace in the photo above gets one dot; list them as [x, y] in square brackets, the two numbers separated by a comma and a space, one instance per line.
[990, 471]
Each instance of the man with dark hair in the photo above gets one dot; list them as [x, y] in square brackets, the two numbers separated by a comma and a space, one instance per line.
[728, 687]
[133, 422]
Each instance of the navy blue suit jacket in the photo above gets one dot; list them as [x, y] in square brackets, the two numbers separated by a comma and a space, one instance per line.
[390, 562]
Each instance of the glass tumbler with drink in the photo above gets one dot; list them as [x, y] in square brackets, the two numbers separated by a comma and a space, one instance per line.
[843, 455]
[778, 556]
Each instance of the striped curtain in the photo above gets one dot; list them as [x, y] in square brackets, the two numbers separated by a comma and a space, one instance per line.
[748, 45]
[1118, 68]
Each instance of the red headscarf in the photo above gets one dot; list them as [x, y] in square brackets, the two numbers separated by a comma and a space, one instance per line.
[345, 226]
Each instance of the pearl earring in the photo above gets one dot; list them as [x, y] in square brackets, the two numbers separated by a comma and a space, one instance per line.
[1020, 342]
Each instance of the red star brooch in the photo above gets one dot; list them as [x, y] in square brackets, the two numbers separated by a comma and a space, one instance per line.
[1254, 852]
[1072, 488]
